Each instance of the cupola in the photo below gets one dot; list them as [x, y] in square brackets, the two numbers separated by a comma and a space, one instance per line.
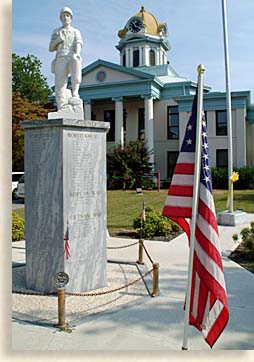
[143, 41]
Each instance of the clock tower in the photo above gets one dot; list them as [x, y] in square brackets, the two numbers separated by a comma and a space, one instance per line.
[143, 41]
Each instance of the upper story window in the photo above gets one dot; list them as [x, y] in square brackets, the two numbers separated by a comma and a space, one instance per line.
[152, 57]
[136, 58]
[173, 123]
[221, 123]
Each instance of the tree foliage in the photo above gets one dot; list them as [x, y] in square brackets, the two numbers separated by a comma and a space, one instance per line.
[24, 110]
[128, 166]
[30, 93]
[27, 78]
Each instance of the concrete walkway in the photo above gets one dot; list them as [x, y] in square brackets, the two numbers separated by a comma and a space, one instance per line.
[141, 322]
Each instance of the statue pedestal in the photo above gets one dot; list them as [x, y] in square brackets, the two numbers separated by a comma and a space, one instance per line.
[65, 193]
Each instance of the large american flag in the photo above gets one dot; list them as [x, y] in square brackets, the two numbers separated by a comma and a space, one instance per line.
[208, 301]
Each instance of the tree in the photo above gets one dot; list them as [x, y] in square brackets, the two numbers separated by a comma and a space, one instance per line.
[23, 109]
[30, 93]
[127, 167]
[27, 78]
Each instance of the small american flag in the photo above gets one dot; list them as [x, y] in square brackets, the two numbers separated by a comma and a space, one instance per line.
[208, 300]
[67, 243]
[143, 212]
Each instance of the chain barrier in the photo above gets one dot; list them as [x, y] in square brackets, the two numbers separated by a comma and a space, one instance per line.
[140, 261]
[123, 246]
[62, 325]
[128, 245]
[85, 294]
[147, 253]
[33, 293]
[112, 290]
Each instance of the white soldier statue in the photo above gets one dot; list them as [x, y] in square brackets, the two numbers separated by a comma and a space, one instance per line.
[67, 42]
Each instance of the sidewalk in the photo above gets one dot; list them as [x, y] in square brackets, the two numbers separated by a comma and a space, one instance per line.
[130, 319]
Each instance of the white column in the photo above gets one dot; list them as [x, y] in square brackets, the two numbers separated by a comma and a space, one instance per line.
[128, 57]
[149, 134]
[157, 56]
[161, 56]
[140, 55]
[119, 131]
[87, 110]
[146, 60]
[131, 57]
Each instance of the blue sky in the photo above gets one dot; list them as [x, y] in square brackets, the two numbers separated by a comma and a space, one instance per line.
[195, 34]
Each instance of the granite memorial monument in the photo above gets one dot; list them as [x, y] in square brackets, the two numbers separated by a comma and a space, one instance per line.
[65, 184]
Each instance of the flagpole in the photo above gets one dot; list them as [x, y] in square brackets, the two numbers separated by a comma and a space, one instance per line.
[228, 98]
[196, 183]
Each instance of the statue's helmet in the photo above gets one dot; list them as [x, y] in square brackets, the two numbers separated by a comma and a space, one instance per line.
[66, 10]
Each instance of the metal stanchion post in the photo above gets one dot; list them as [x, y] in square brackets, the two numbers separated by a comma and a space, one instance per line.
[140, 252]
[155, 279]
[61, 308]
[61, 280]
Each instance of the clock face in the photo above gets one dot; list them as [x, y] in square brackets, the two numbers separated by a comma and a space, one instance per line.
[135, 25]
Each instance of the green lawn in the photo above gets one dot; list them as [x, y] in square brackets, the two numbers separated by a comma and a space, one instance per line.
[124, 206]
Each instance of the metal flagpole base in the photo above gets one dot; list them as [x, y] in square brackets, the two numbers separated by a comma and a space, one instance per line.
[234, 218]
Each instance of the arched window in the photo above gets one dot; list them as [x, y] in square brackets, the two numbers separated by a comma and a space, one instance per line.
[152, 57]
[124, 59]
[136, 58]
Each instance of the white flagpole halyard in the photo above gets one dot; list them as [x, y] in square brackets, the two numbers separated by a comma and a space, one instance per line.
[228, 97]
[195, 198]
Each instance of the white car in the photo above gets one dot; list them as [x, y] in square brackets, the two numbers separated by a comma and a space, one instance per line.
[21, 187]
[15, 178]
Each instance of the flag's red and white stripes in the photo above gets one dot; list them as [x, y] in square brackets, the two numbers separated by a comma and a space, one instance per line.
[67, 249]
[67, 244]
[179, 200]
[209, 306]
[208, 302]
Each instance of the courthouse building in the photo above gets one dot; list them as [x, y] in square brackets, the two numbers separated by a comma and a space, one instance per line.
[143, 97]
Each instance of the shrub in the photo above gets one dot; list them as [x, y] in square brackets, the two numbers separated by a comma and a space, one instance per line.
[147, 184]
[247, 235]
[154, 225]
[246, 178]
[18, 227]
[220, 178]
[235, 237]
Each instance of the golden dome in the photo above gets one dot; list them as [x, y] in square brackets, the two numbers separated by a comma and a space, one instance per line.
[151, 23]
[152, 26]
